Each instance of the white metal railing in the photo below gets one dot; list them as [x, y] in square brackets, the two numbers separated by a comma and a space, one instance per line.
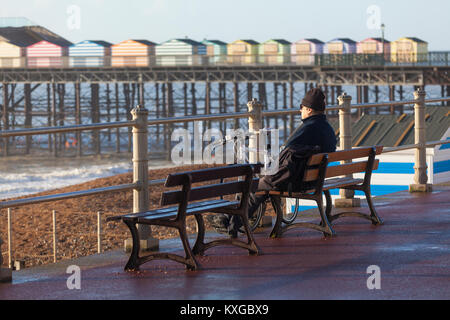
[140, 123]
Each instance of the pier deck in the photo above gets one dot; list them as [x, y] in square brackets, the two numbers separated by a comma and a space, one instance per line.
[412, 250]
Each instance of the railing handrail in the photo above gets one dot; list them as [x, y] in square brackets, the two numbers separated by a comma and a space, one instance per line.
[205, 117]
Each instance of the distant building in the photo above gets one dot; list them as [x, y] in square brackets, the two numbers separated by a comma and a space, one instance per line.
[409, 50]
[180, 52]
[243, 52]
[13, 44]
[374, 46]
[340, 46]
[216, 51]
[90, 53]
[132, 53]
[275, 51]
[303, 51]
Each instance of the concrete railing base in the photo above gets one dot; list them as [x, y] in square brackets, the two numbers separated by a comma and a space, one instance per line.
[420, 187]
[5, 275]
[150, 244]
[347, 203]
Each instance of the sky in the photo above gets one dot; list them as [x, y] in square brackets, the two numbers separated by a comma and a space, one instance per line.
[230, 20]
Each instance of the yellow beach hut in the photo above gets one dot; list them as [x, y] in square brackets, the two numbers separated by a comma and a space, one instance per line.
[243, 52]
[409, 50]
[132, 53]
[275, 51]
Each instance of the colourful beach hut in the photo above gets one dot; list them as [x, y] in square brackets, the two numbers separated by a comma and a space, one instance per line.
[48, 54]
[216, 51]
[132, 53]
[374, 46]
[275, 51]
[13, 44]
[243, 52]
[340, 46]
[90, 53]
[180, 52]
[303, 51]
[409, 50]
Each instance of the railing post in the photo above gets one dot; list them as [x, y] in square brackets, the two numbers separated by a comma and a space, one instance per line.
[5, 274]
[255, 125]
[420, 164]
[140, 176]
[347, 198]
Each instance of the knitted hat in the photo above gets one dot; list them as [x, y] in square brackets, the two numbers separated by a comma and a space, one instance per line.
[314, 99]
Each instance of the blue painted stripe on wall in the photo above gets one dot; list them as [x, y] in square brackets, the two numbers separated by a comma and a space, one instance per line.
[441, 166]
[445, 146]
[376, 190]
[391, 167]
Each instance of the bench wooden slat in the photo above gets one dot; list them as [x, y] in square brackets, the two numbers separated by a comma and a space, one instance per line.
[203, 192]
[340, 182]
[208, 206]
[231, 171]
[345, 155]
[133, 216]
[316, 159]
[349, 168]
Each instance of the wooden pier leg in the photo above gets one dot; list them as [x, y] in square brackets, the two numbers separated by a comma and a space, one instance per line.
[5, 118]
[28, 116]
[108, 110]
[95, 116]
[392, 98]
[116, 89]
[291, 106]
[377, 94]
[224, 104]
[171, 113]
[448, 95]
[78, 117]
[54, 117]
[49, 117]
[236, 102]
[400, 92]
[249, 91]
[126, 92]
[275, 101]
[208, 101]
[61, 113]
[164, 112]
[185, 100]
[158, 134]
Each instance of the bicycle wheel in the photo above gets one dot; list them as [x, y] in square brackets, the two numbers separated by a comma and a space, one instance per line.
[289, 214]
[254, 221]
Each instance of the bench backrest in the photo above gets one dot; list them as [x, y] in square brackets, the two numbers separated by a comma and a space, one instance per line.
[366, 165]
[189, 193]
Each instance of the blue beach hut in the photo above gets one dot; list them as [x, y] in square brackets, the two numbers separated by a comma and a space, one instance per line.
[90, 53]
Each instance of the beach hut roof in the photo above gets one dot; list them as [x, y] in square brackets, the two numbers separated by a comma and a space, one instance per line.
[101, 43]
[347, 40]
[190, 42]
[249, 41]
[313, 40]
[416, 39]
[376, 39]
[19, 36]
[280, 41]
[146, 42]
[217, 42]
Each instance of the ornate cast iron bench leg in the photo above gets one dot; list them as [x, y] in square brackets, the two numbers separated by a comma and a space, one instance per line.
[277, 230]
[133, 261]
[376, 220]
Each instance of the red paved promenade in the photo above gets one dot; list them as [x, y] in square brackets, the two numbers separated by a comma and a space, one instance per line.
[412, 250]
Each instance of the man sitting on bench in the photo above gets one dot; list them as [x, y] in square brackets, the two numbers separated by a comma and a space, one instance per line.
[315, 135]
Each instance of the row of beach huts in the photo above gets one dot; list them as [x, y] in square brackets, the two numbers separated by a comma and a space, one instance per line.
[36, 46]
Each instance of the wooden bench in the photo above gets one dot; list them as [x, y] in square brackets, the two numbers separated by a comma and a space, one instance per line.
[322, 178]
[192, 201]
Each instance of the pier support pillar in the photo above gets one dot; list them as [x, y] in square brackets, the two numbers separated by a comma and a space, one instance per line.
[140, 176]
[347, 198]
[420, 164]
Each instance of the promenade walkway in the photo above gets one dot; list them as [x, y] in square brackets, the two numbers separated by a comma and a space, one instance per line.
[412, 250]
